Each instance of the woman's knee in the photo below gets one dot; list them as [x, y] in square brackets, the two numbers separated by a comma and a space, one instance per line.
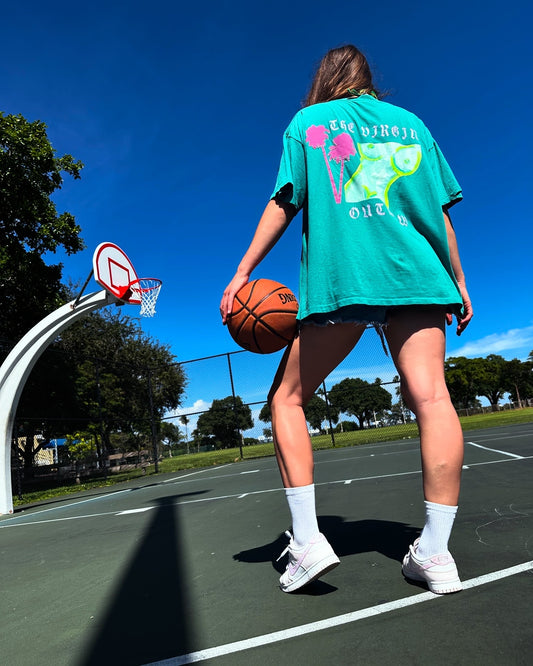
[278, 398]
[425, 395]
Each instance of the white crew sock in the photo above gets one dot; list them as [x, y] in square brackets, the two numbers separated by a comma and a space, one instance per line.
[437, 530]
[303, 513]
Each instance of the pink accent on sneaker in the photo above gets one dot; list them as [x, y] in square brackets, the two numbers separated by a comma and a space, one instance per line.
[308, 563]
[438, 572]
[293, 567]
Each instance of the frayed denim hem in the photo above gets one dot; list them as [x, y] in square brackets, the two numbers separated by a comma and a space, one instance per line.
[358, 315]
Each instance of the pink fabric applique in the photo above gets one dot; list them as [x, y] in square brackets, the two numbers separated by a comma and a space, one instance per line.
[342, 149]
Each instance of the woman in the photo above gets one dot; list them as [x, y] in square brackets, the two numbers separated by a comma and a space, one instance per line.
[378, 247]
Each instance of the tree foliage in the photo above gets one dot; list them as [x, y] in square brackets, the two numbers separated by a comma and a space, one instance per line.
[316, 412]
[221, 424]
[264, 414]
[490, 377]
[30, 224]
[102, 377]
[462, 381]
[30, 172]
[124, 377]
[359, 398]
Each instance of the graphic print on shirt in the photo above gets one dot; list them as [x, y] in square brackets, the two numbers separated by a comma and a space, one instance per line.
[342, 149]
[381, 164]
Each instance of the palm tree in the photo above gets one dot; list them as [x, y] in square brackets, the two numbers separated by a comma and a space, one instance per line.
[185, 421]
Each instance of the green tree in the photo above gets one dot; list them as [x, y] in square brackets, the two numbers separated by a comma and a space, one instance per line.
[30, 225]
[124, 378]
[221, 424]
[346, 426]
[462, 378]
[518, 380]
[264, 414]
[48, 406]
[316, 412]
[80, 447]
[492, 378]
[170, 435]
[359, 398]
[184, 420]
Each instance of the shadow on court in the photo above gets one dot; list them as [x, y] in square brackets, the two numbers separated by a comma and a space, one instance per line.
[389, 538]
[150, 616]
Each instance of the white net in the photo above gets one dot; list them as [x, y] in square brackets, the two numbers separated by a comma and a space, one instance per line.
[146, 290]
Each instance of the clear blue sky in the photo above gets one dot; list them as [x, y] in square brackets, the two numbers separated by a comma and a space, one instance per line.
[177, 111]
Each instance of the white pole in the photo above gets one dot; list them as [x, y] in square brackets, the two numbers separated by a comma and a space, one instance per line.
[17, 367]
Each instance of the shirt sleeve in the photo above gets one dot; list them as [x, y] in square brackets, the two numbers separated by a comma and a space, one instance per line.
[448, 189]
[291, 183]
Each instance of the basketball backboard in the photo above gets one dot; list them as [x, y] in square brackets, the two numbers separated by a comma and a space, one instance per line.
[115, 272]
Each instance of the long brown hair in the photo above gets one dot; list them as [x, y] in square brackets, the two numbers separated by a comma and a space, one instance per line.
[340, 73]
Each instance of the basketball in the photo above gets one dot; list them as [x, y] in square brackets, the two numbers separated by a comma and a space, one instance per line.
[263, 318]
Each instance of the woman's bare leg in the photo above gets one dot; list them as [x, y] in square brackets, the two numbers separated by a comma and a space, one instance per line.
[417, 342]
[306, 363]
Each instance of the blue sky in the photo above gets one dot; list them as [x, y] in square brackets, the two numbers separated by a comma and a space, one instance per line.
[177, 111]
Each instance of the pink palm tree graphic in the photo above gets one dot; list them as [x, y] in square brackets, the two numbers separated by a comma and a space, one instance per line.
[341, 151]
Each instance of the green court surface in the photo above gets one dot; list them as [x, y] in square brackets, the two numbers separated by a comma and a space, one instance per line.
[182, 569]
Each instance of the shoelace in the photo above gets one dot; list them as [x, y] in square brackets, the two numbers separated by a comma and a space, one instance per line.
[289, 536]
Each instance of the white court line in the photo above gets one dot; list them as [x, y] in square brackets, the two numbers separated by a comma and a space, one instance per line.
[31, 523]
[347, 618]
[64, 506]
[200, 471]
[11, 522]
[113, 493]
[504, 453]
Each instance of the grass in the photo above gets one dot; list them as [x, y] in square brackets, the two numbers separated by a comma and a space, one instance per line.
[228, 456]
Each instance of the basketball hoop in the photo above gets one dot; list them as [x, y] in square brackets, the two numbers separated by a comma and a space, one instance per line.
[145, 291]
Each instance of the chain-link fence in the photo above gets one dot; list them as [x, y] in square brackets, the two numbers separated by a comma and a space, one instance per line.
[48, 451]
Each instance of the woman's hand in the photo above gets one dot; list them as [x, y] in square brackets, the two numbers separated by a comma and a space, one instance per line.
[467, 314]
[226, 304]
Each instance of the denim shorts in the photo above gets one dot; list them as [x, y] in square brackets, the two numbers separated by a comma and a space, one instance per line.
[367, 315]
[374, 315]
[370, 315]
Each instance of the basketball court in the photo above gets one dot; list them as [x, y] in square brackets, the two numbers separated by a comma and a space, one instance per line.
[179, 569]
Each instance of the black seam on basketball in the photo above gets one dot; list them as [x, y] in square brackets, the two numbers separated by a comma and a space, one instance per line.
[243, 307]
[245, 304]
[269, 328]
[256, 342]
[239, 329]
[267, 296]
[268, 312]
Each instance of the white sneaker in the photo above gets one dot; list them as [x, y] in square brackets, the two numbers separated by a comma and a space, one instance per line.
[306, 563]
[439, 572]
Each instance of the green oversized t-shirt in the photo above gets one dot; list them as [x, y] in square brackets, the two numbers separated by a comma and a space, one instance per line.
[372, 183]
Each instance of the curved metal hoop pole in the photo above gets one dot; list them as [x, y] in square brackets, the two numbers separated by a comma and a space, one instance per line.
[18, 365]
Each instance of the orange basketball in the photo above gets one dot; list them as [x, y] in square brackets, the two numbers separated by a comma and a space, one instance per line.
[263, 319]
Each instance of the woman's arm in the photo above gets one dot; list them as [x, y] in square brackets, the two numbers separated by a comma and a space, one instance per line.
[459, 276]
[275, 219]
